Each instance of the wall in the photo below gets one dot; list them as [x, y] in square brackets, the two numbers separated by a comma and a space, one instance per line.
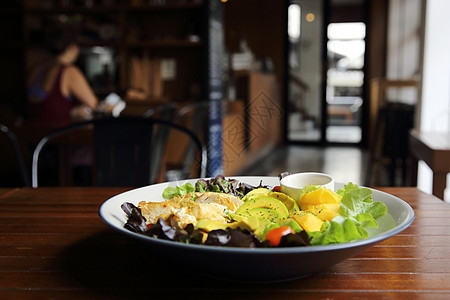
[435, 102]
[404, 44]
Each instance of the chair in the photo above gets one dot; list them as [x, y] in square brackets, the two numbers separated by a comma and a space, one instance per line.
[198, 121]
[389, 147]
[166, 112]
[18, 153]
[124, 149]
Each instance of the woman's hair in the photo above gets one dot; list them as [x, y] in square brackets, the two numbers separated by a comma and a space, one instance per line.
[59, 38]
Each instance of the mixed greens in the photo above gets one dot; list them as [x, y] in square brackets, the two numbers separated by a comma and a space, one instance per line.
[218, 184]
[355, 212]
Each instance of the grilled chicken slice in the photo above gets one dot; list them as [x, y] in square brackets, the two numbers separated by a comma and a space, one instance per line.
[153, 210]
[183, 210]
[230, 201]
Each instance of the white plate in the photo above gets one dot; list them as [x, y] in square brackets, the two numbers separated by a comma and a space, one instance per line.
[260, 264]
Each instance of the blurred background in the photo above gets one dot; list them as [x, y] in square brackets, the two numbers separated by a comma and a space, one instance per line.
[292, 85]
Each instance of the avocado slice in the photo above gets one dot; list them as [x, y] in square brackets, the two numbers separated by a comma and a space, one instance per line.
[262, 223]
[263, 230]
[265, 213]
[263, 201]
[209, 225]
[255, 192]
[291, 223]
[290, 204]
[250, 223]
[266, 229]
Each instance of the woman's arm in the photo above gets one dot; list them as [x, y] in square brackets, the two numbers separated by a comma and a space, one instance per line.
[74, 83]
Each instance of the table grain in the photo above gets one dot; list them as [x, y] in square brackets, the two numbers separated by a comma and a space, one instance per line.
[54, 245]
[7, 191]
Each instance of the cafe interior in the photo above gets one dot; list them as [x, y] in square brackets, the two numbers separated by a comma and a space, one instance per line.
[344, 87]
[95, 201]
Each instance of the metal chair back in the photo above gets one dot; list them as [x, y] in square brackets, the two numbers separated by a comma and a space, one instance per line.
[18, 153]
[125, 149]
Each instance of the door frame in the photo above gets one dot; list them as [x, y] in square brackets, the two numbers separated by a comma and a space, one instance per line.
[324, 112]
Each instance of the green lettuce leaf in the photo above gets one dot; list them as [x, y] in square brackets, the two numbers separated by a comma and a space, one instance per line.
[170, 192]
[340, 230]
[366, 220]
[347, 188]
[200, 186]
[185, 189]
[357, 204]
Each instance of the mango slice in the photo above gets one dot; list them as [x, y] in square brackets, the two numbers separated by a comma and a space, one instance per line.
[325, 212]
[320, 196]
[307, 220]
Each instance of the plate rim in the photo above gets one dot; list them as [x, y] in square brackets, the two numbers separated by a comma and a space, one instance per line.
[238, 250]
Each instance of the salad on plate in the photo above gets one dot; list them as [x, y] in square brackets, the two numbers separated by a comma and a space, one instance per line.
[225, 212]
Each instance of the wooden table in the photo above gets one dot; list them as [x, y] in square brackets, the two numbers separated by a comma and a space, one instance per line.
[6, 191]
[434, 149]
[54, 245]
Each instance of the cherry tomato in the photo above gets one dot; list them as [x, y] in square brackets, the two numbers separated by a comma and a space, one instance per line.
[276, 188]
[274, 236]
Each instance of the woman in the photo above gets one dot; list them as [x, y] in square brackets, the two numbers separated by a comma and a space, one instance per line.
[57, 90]
[60, 94]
